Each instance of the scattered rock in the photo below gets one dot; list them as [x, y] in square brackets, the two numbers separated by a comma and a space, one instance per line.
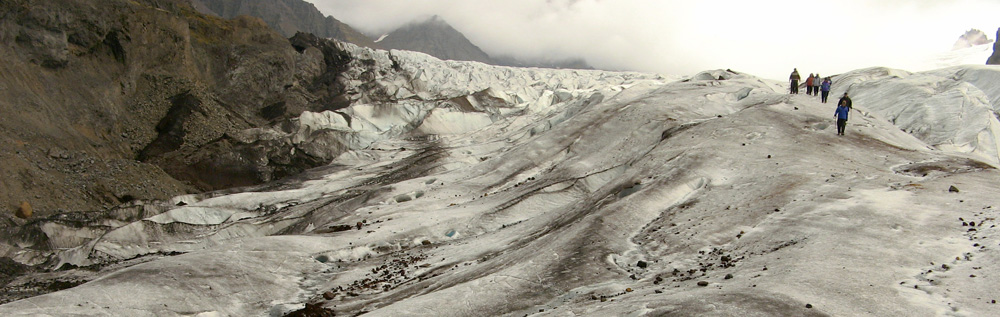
[809, 305]
[24, 212]
[312, 310]
[952, 189]
[642, 264]
[702, 283]
[661, 292]
[769, 156]
[339, 228]
[329, 295]
[628, 290]
[426, 242]
[728, 276]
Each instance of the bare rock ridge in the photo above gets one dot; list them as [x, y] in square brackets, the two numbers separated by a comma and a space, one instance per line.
[287, 17]
[995, 58]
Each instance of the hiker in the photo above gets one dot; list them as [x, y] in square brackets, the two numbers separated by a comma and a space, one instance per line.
[825, 88]
[845, 99]
[816, 83]
[794, 78]
[841, 114]
[809, 84]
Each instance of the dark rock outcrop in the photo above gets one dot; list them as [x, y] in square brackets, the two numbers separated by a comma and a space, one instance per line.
[995, 58]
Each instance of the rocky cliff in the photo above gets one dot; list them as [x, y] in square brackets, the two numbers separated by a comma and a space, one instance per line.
[107, 102]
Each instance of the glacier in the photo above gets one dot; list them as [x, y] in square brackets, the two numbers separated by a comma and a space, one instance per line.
[460, 188]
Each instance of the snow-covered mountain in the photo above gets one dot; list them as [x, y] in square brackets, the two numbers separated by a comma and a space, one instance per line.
[972, 37]
[461, 188]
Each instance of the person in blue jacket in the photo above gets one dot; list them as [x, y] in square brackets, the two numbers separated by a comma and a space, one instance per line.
[825, 89]
[841, 114]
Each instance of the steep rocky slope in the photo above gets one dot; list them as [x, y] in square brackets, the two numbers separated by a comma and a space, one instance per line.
[107, 102]
[287, 17]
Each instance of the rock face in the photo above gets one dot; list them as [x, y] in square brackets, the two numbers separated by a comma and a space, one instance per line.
[287, 17]
[995, 58]
[107, 102]
[972, 37]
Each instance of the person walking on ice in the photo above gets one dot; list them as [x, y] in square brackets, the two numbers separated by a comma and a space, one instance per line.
[795, 78]
[845, 99]
[825, 89]
[809, 85]
[841, 114]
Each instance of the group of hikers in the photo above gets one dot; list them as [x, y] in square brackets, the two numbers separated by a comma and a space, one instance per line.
[817, 85]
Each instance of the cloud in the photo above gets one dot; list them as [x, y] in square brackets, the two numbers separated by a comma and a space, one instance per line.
[766, 38]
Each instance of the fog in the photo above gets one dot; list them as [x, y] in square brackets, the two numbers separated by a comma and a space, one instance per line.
[767, 39]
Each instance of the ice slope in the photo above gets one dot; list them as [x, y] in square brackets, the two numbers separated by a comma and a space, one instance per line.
[953, 109]
[481, 190]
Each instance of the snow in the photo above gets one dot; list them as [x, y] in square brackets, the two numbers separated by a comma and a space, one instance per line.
[483, 190]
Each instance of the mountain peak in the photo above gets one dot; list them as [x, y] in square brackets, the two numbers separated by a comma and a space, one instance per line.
[437, 38]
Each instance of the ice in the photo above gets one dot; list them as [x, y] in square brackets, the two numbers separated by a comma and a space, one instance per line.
[945, 108]
[459, 188]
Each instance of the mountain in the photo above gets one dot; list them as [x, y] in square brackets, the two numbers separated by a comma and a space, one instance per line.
[286, 16]
[458, 188]
[436, 37]
[995, 58]
[972, 37]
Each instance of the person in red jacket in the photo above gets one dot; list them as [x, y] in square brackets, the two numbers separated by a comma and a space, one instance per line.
[809, 85]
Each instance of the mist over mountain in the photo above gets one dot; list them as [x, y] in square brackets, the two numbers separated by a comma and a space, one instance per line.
[287, 17]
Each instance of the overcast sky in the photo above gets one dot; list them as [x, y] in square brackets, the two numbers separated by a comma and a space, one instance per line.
[765, 38]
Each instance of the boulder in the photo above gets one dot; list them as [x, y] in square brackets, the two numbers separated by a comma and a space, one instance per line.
[24, 211]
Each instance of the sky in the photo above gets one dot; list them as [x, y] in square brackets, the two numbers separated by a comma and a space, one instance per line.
[764, 38]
